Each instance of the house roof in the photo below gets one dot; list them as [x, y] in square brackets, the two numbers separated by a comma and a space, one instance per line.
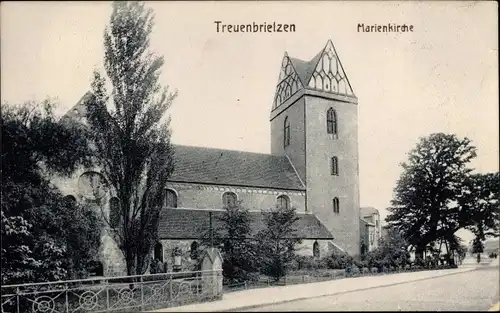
[236, 168]
[365, 222]
[365, 211]
[184, 223]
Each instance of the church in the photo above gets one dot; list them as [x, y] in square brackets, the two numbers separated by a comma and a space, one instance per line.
[313, 167]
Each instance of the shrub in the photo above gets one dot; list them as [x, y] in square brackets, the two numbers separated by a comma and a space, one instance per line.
[309, 262]
[355, 270]
[374, 270]
[366, 270]
[338, 261]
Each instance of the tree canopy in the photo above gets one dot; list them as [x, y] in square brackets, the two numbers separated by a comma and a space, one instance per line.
[278, 240]
[437, 194]
[44, 236]
[233, 235]
[130, 131]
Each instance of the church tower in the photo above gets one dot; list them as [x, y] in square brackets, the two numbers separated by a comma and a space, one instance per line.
[314, 122]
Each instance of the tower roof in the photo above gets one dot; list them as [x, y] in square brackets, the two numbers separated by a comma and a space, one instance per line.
[323, 73]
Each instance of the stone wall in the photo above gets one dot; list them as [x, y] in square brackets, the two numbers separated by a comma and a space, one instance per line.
[112, 257]
[305, 248]
[187, 263]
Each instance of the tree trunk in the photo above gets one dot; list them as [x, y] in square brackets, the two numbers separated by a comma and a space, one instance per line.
[419, 252]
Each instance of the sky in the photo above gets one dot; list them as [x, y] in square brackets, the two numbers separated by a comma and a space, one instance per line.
[442, 77]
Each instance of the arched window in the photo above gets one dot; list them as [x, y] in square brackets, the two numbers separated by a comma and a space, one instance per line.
[194, 250]
[158, 252]
[170, 198]
[70, 200]
[114, 212]
[286, 132]
[229, 199]
[283, 202]
[336, 208]
[331, 121]
[316, 249]
[335, 166]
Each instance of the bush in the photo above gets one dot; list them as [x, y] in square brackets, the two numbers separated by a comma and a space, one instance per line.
[374, 270]
[366, 270]
[309, 262]
[338, 261]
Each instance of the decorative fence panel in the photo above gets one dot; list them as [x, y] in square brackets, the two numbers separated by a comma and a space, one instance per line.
[113, 294]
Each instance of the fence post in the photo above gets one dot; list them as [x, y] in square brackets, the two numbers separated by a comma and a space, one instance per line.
[246, 285]
[197, 284]
[268, 282]
[107, 294]
[142, 291]
[67, 301]
[170, 287]
[17, 298]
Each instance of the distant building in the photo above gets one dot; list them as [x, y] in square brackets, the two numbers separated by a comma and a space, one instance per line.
[370, 229]
[491, 246]
[313, 167]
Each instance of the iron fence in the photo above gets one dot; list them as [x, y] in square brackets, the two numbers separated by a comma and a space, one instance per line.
[113, 294]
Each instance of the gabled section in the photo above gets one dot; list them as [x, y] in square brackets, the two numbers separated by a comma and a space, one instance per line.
[77, 114]
[328, 74]
[288, 83]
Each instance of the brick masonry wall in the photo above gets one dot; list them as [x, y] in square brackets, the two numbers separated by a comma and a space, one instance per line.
[322, 187]
[296, 150]
[201, 196]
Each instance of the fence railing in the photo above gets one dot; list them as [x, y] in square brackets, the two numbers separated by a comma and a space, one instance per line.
[113, 294]
[319, 275]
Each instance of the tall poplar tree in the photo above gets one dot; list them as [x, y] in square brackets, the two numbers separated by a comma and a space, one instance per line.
[130, 132]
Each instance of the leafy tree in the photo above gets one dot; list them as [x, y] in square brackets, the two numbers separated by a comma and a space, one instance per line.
[480, 207]
[44, 236]
[392, 251]
[437, 195]
[233, 235]
[131, 137]
[477, 245]
[277, 241]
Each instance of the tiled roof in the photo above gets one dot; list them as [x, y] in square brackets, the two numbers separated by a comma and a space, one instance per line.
[192, 223]
[305, 69]
[368, 211]
[237, 168]
[365, 222]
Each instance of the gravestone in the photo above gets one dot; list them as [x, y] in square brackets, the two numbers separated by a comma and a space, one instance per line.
[211, 266]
